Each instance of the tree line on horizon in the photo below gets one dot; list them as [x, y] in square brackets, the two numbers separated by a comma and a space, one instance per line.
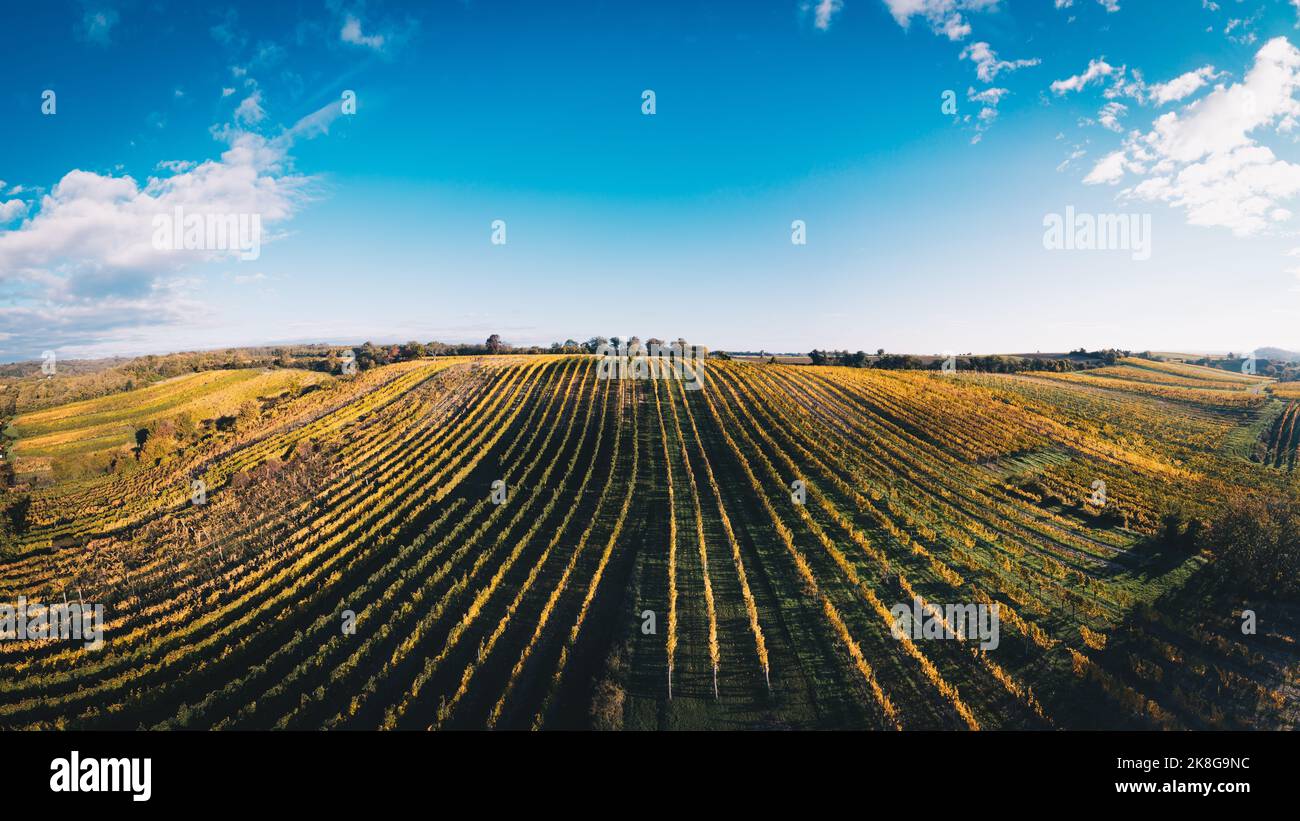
[24, 387]
[1076, 360]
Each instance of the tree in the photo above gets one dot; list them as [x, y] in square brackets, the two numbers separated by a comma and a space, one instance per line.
[158, 441]
[414, 350]
[187, 426]
[1258, 541]
[367, 356]
[248, 414]
[494, 344]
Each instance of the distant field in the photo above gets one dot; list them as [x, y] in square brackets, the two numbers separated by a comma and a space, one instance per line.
[111, 422]
[1169, 380]
[650, 565]
[1192, 373]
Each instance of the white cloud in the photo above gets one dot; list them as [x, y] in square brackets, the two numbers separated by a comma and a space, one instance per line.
[84, 266]
[944, 16]
[91, 223]
[12, 210]
[823, 12]
[1109, 169]
[1222, 120]
[351, 33]
[1096, 70]
[1184, 85]
[1206, 158]
[250, 110]
[947, 18]
[987, 64]
[1123, 83]
[1244, 26]
[1109, 115]
[956, 28]
[988, 99]
[989, 96]
[1109, 5]
[226, 92]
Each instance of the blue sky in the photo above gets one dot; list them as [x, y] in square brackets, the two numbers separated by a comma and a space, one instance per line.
[925, 228]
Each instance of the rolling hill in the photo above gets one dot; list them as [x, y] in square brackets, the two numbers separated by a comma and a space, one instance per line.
[513, 542]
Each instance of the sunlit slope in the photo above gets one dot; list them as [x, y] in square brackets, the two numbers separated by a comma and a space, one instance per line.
[1175, 381]
[71, 512]
[518, 544]
[112, 421]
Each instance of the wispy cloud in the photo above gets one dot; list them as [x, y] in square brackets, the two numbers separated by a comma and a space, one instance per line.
[97, 23]
[1110, 114]
[987, 64]
[351, 33]
[823, 12]
[944, 16]
[948, 18]
[250, 109]
[988, 100]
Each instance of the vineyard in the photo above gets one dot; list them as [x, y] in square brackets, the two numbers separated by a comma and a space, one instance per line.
[512, 542]
[103, 425]
[1281, 439]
